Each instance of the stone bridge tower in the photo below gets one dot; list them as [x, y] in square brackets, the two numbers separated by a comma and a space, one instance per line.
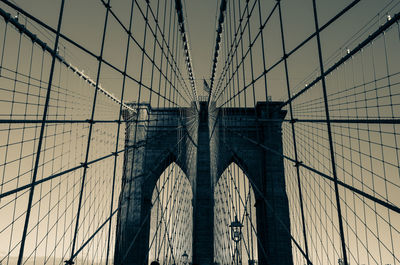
[212, 141]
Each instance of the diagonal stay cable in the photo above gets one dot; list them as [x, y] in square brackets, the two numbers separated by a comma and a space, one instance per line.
[270, 206]
[32, 184]
[351, 53]
[42, 131]
[347, 186]
[165, 154]
[333, 19]
[129, 32]
[81, 47]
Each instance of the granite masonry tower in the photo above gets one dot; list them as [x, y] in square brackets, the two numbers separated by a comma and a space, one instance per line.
[214, 138]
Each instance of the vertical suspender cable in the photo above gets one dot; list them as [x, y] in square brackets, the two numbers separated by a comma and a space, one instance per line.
[293, 134]
[328, 124]
[43, 125]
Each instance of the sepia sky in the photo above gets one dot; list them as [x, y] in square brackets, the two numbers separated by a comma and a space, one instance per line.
[83, 22]
[367, 155]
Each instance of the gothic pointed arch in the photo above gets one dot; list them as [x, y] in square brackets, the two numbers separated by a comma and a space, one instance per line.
[171, 217]
[234, 202]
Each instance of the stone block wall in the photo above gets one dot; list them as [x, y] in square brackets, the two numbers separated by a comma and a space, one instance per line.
[203, 144]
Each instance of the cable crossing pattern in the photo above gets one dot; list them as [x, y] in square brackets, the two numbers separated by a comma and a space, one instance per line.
[110, 154]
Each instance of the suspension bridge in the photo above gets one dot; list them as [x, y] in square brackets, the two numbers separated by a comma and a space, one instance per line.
[286, 151]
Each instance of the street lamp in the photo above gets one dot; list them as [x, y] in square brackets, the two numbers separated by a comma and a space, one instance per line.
[236, 234]
[236, 230]
[185, 258]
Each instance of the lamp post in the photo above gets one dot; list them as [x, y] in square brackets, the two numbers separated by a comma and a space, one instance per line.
[185, 258]
[236, 235]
